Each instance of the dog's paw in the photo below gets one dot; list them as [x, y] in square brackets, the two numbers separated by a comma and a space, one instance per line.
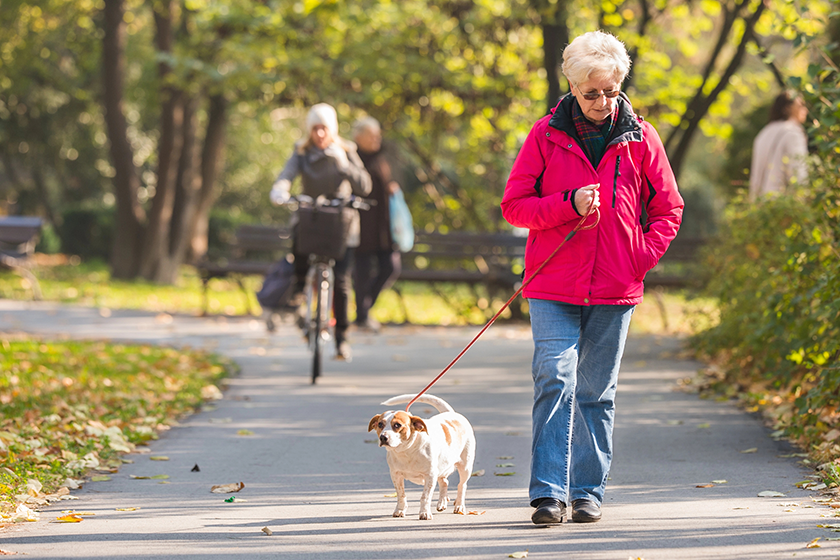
[442, 504]
[399, 513]
[459, 509]
[425, 515]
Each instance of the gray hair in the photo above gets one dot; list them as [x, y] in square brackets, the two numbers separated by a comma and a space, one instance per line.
[365, 123]
[596, 54]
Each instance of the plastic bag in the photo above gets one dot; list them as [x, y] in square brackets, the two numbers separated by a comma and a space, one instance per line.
[402, 225]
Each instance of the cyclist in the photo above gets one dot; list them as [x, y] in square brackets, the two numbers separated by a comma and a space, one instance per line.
[329, 166]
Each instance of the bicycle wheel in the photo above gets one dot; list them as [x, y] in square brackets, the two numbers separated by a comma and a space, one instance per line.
[319, 319]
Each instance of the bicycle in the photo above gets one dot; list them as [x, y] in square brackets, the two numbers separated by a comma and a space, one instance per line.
[314, 315]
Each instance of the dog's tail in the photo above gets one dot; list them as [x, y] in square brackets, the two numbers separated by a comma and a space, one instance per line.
[437, 402]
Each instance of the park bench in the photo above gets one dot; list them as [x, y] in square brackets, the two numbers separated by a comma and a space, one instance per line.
[18, 237]
[253, 250]
[492, 260]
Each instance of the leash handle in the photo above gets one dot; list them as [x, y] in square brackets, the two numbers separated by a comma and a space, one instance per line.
[577, 228]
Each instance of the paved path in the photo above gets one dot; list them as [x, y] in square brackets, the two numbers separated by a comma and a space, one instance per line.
[314, 478]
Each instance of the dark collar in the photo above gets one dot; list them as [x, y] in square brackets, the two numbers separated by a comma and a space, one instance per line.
[627, 128]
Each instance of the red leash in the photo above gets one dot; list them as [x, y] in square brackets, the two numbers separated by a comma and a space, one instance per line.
[578, 227]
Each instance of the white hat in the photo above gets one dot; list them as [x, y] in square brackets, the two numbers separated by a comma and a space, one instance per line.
[324, 114]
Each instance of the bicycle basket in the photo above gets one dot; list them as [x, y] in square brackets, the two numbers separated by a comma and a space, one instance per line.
[323, 231]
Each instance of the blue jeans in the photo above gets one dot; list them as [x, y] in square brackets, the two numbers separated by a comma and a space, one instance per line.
[577, 353]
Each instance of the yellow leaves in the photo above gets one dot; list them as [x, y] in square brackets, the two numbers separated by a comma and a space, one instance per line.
[520, 554]
[159, 458]
[750, 450]
[813, 543]
[770, 494]
[267, 531]
[226, 488]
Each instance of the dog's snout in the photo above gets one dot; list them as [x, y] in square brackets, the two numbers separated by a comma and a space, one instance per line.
[383, 438]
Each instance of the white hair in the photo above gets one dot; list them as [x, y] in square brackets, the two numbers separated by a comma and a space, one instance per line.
[365, 123]
[597, 54]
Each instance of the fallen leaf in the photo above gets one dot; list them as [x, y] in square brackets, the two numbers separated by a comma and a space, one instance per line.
[195, 468]
[719, 481]
[770, 494]
[71, 518]
[750, 450]
[137, 477]
[476, 512]
[829, 526]
[741, 507]
[835, 505]
[521, 554]
[100, 478]
[479, 472]
[705, 486]
[227, 488]
[127, 509]
[813, 543]
[504, 473]
[704, 425]
[159, 458]
[267, 531]
[505, 465]
[505, 458]
[6, 553]
[244, 432]
[160, 477]
[394, 495]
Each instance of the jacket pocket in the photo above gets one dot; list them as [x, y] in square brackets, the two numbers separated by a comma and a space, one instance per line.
[641, 260]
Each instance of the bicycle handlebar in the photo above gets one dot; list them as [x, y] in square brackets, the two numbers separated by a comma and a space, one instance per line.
[353, 201]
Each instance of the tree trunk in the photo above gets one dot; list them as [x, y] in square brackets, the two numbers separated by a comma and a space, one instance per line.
[212, 156]
[700, 104]
[128, 231]
[555, 38]
[155, 263]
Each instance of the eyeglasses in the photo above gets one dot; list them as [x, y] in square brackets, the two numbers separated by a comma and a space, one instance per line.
[592, 95]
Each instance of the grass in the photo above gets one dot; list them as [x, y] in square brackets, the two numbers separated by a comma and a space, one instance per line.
[90, 284]
[69, 407]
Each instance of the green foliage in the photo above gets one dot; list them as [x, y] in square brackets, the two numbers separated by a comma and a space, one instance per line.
[776, 272]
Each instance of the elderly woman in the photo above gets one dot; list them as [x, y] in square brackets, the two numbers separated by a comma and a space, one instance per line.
[328, 166]
[591, 153]
[378, 263]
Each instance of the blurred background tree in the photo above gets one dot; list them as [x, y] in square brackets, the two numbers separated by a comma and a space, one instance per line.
[143, 131]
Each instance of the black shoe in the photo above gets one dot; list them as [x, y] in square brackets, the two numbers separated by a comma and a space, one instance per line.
[585, 511]
[549, 511]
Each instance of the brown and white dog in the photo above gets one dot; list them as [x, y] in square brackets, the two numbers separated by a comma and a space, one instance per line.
[426, 451]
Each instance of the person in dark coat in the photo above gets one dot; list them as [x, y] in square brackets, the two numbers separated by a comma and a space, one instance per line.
[328, 166]
[378, 263]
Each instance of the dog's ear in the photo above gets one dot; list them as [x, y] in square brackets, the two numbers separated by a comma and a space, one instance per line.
[374, 421]
[418, 425]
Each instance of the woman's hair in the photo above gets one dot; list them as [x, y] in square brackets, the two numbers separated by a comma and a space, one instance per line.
[782, 107]
[365, 123]
[596, 54]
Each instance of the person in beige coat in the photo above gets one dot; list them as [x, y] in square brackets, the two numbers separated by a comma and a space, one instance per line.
[780, 149]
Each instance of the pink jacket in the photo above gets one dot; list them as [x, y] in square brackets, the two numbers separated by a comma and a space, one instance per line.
[641, 209]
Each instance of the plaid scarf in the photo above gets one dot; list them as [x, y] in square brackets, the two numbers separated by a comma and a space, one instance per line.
[593, 137]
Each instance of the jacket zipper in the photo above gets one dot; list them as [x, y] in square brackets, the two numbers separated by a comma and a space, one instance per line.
[615, 178]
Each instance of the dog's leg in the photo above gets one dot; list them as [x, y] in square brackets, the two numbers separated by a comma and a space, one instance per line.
[399, 486]
[443, 501]
[464, 467]
[426, 497]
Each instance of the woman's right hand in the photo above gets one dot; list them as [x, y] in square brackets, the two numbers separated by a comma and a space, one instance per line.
[587, 196]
